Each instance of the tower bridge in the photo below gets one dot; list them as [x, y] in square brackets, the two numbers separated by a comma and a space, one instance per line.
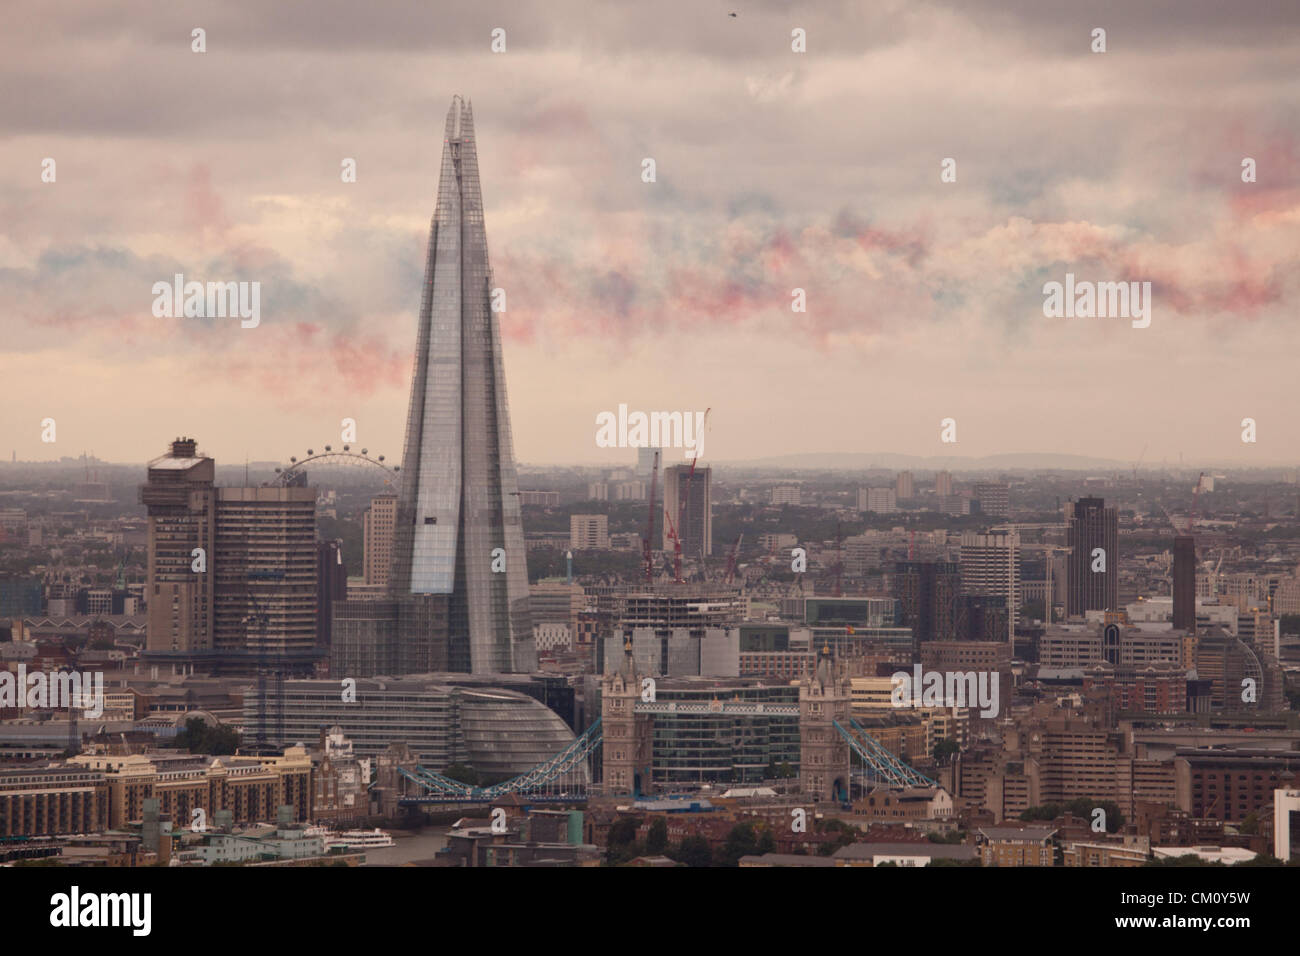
[837, 757]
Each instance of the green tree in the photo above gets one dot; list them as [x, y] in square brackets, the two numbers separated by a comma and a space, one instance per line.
[741, 841]
[622, 845]
[657, 839]
[693, 851]
[199, 738]
[1035, 610]
[945, 749]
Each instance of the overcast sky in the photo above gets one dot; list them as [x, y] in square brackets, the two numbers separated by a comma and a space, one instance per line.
[776, 170]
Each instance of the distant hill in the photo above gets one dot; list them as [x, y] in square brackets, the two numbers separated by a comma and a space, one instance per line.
[853, 461]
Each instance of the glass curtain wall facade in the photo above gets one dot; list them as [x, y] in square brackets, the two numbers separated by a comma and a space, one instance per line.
[459, 530]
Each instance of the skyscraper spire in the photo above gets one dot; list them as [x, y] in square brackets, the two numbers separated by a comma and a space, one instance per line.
[459, 530]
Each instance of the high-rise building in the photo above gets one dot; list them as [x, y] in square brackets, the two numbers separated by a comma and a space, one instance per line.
[459, 533]
[877, 500]
[234, 573]
[377, 524]
[180, 499]
[265, 571]
[1185, 583]
[990, 566]
[1092, 534]
[994, 498]
[785, 495]
[904, 486]
[688, 502]
[943, 484]
[331, 586]
[929, 598]
[589, 532]
[1229, 663]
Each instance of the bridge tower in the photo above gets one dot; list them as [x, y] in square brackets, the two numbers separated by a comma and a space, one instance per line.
[626, 750]
[824, 765]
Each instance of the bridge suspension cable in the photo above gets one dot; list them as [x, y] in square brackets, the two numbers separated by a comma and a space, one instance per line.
[878, 761]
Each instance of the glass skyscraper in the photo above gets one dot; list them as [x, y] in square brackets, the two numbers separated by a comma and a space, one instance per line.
[459, 532]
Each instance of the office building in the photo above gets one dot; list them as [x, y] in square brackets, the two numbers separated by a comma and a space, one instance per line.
[377, 524]
[994, 498]
[458, 513]
[496, 730]
[688, 508]
[990, 566]
[785, 495]
[180, 499]
[540, 499]
[233, 573]
[363, 638]
[331, 587]
[1092, 534]
[589, 532]
[904, 486]
[557, 601]
[877, 500]
[928, 594]
[1185, 582]
[265, 570]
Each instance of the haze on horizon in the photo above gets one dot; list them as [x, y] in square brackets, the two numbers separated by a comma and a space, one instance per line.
[775, 171]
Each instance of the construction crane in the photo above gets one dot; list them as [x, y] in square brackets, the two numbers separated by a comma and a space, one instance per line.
[647, 543]
[730, 575]
[1137, 463]
[839, 559]
[1215, 587]
[119, 579]
[677, 547]
[1196, 497]
[1170, 518]
[270, 670]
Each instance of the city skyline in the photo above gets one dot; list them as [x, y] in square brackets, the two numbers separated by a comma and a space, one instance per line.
[776, 171]
[867, 439]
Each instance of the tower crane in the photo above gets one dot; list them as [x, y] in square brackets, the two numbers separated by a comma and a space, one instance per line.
[647, 543]
[839, 558]
[1196, 497]
[677, 548]
[730, 575]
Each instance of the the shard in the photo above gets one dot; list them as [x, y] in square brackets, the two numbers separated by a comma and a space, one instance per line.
[459, 531]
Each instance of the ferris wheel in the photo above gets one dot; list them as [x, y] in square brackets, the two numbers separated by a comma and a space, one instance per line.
[296, 472]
